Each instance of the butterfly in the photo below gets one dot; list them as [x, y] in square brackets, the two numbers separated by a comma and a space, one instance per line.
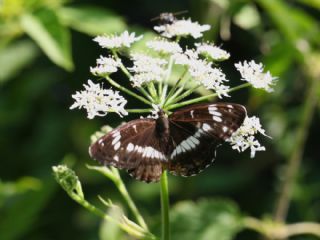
[183, 143]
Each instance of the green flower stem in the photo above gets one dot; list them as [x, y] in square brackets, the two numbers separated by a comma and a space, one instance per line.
[199, 99]
[146, 110]
[125, 194]
[153, 92]
[171, 99]
[128, 74]
[166, 79]
[113, 174]
[115, 84]
[173, 89]
[165, 206]
[100, 213]
[184, 95]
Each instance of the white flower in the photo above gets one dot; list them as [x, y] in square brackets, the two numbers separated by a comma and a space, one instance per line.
[214, 79]
[211, 51]
[117, 41]
[98, 101]
[182, 27]
[203, 72]
[164, 46]
[105, 66]
[243, 138]
[146, 69]
[253, 73]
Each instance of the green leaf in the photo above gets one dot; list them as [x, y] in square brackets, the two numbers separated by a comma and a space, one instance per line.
[92, 20]
[20, 217]
[248, 17]
[10, 64]
[311, 3]
[295, 24]
[206, 219]
[110, 230]
[53, 38]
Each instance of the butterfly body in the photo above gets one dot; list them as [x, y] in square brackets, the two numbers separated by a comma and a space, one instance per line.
[184, 143]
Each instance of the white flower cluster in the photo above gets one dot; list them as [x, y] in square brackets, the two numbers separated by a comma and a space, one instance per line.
[253, 73]
[117, 41]
[244, 138]
[146, 69]
[98, 101]
[203, 72]
[183, 27]
[164, 46]
[211, 51]
[105, 66]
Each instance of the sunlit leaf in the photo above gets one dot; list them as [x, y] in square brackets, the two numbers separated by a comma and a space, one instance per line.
[248, 17]
[110, 230]
[10, 64]
[206, 219]
[294, 24]
[92, 20]
[53, 38]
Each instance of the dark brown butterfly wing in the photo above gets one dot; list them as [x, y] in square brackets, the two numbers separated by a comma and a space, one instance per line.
[197, 131]
[133, 147]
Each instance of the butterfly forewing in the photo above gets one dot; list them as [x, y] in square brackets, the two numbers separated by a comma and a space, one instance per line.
[197, 131]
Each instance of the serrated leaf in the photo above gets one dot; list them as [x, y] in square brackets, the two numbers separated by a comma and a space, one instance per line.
[92, 20]
[205, 220]
[52, 37]
[10, 64]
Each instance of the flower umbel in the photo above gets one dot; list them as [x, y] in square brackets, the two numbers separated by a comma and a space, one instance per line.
[213, 52]
[105, 66]
[183, 28]
[244, 138]
[117, 41]
[146, 69]
[253, 73]
[98, 101]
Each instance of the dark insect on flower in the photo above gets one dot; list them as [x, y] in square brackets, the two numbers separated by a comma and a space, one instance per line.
[183, 143]
[168, 17]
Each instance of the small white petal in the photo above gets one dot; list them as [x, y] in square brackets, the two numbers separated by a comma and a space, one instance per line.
[98, 101]
[117, 41]
[182, 27]
[253, 73]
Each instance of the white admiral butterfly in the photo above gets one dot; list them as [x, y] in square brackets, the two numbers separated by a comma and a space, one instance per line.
[183, 143]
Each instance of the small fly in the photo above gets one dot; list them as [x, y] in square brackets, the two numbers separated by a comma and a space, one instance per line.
[168, 17]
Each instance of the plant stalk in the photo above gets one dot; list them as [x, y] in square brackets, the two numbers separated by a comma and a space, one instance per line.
[295, 159]
[165, 206]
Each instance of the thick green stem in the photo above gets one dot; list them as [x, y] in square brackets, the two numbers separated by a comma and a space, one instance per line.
[165, 206]
[115, 84]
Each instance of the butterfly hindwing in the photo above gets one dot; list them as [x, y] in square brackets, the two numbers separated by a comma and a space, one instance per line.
[197, 131]
[133, 147]
[193, 150]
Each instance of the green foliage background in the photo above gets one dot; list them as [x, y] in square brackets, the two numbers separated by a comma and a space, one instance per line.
[46, 49]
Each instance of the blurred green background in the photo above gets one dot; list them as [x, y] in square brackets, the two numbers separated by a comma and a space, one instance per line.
[46, 49]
